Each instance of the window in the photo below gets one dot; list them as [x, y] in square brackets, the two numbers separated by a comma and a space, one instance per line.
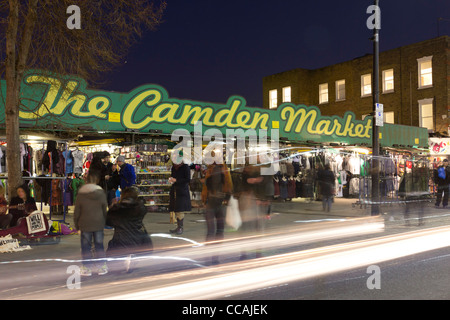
[340, 90]
[426, 119]
[425, 72]
[366, 85]
[287, 94]
[388, 117]
[388, 80]
[273, 99]
[323, 93]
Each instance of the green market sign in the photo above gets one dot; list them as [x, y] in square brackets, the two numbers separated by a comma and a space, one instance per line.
[48, 99]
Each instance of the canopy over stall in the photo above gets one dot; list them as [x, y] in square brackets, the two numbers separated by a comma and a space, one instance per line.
[57, 103]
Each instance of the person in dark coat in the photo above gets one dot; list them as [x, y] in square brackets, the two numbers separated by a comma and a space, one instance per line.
[99, 168]
[441, 177]
[327, 185]
[180, 198]
[126, 217]
[21, 205]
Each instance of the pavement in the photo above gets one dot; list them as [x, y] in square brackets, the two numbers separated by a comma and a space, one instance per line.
[297, 211]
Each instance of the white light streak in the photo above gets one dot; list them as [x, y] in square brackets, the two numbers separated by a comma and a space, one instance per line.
[280, 269]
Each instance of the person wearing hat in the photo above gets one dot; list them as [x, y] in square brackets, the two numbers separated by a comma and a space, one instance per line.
[127, 173]
[442, 180]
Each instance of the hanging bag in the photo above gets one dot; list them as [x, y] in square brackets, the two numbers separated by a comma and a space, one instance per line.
[233, 216]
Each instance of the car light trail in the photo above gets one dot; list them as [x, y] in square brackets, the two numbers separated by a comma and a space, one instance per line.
[241, 277]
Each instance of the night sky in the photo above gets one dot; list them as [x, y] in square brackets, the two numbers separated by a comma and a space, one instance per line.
[208, 50]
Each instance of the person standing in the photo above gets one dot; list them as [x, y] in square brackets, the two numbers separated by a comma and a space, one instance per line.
[327, 182]
[442, 180]
[113, 182]
[216, 192]
[98, 167]
[254, 203]
[127, 173]
[89, 218]
[130, 236]
[180, 198]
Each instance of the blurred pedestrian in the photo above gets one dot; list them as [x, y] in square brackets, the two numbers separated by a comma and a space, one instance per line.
[327, 185]
[180, 198]
[255, 195]
[89, 217]
[127, 173]
[216, 192]
[414, 193]
[442, 180]
[130, 236]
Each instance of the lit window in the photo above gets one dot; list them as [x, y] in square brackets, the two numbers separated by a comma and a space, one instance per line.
[273, 99]
[426, 119]
[287, 94]
[388, 80]
[425, 72]
[366, 85]
[323, 93]
[340, 90]
[388, 117]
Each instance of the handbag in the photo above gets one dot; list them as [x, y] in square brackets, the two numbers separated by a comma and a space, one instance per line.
[173, 219]
[233, 216]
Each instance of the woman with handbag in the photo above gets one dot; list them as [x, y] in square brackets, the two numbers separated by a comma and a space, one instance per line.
[180, 198]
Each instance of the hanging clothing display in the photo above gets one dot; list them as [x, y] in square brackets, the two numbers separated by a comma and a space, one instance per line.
[76, 184]
[55, 196]
[284, 188]
[67, 154]
[291, 188]
[67, 192]
[78, 156]
[51, 157]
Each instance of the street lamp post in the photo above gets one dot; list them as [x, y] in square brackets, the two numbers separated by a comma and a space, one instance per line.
[375, 132]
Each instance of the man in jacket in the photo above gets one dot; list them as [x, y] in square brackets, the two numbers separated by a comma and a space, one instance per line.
[327, 182]
[127, 173]
[90, 217]
[215, 195]
[442, 180]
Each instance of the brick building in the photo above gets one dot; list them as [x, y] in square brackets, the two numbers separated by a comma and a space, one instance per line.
[414, 86]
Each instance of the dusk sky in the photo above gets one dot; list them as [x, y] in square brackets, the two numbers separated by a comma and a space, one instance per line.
[208, 50]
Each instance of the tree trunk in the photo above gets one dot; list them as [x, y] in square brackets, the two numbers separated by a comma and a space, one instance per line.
[15, 68]
[12, 102]
[13, 158]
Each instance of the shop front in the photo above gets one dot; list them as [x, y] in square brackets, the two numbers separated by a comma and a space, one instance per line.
[146, 125]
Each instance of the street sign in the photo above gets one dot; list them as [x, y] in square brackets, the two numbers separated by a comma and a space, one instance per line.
[379, 115]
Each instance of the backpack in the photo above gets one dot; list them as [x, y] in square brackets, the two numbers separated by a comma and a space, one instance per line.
[441, 173]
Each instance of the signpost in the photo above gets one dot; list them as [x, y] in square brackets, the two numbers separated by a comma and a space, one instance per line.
[376, 96]
[379, 115]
